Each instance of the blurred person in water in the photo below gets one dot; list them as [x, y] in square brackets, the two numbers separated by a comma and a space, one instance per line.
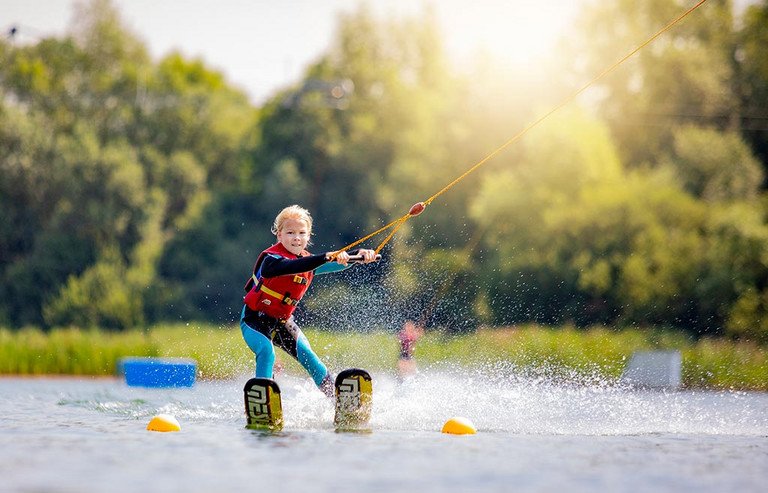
[407, 337]
[281, 276]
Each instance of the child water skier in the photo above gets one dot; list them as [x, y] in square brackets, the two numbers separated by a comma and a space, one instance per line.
[281, 276]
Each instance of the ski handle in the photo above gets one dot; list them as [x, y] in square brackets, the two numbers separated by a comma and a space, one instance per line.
[356, 259]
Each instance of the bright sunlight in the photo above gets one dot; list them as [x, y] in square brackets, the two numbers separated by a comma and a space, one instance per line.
[518, 32]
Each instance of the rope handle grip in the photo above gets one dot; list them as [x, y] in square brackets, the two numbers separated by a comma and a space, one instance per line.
[359, 258]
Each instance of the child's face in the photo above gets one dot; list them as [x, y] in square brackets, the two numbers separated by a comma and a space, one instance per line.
[294, 235]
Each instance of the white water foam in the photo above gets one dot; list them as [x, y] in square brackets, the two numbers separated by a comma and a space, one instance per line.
[501, 400]
[509, 402]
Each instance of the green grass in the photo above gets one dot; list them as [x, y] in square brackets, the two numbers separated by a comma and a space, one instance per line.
[563, 353]
[567, 353]
[68, 351]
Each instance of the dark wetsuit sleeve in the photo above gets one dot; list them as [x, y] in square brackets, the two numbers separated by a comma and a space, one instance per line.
[278, 266]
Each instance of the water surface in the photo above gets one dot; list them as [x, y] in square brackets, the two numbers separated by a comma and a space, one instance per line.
[89, 435]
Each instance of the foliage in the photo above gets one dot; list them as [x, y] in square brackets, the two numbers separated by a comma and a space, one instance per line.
[104, 157]
[567, 355]
[752, 88]
[728, 171]
[736, 280]
[686, 76]
[137, 192]
[68, 351]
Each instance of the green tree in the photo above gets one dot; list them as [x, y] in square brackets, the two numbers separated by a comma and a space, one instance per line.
[686, 76]
[97, 298]
[522, 207]
[579, 239]
[734, 283]
[716, 166]
[752, 84]
[105, 157]
[365, 124]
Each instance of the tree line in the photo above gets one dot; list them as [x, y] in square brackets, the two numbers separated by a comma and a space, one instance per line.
[136, 191]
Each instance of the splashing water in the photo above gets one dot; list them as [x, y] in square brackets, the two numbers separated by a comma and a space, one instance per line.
[535, 405]
[504, 402]
[535, 431]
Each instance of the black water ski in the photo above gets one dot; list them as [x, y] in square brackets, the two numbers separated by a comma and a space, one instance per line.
[354, 392]
[263, 406]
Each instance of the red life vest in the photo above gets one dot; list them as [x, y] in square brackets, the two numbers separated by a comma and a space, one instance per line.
[276, 296]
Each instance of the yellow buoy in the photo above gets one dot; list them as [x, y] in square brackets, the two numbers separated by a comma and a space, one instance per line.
[164, 422]
[459, 426]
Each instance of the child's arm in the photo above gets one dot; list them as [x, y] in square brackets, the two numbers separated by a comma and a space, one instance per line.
[273, 266]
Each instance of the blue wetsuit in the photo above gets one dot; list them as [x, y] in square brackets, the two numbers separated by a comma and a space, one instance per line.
[262, 332]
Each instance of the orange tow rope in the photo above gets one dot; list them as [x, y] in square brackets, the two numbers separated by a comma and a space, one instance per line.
[419, 207]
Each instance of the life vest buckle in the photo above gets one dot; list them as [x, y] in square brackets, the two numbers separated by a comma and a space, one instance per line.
[300, 280]
[284, 298]
[287, 299]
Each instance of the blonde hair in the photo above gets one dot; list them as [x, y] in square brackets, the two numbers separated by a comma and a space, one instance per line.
[292, 212]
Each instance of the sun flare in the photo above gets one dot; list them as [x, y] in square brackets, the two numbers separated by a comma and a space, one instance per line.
[515, 31]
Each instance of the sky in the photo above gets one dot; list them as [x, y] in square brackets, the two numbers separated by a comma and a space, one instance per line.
[262, 46]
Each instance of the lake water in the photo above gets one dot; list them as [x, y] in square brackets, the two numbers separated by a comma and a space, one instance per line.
[534, 435]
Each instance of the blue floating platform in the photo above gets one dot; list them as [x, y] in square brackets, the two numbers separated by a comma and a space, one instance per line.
[158, 372]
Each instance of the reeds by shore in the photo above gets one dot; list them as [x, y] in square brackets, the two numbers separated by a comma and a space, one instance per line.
[557, 353]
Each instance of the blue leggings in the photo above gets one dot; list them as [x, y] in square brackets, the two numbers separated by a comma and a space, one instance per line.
[262, 333]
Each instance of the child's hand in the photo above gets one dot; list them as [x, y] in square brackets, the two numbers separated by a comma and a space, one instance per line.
[368, 255]
[343, 258]
[338, 257]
